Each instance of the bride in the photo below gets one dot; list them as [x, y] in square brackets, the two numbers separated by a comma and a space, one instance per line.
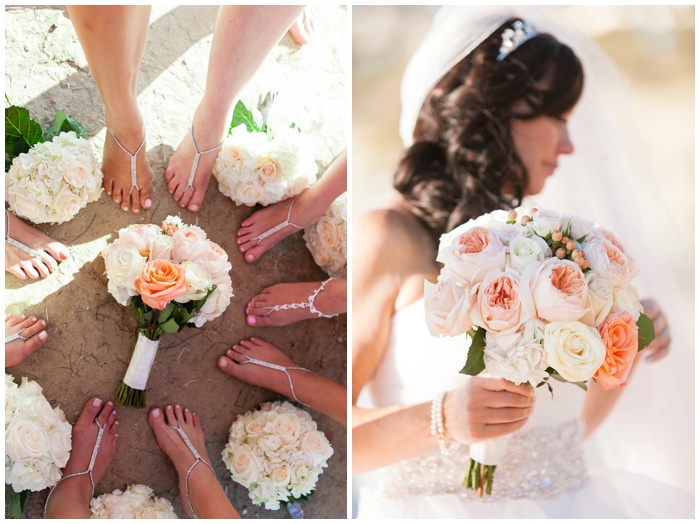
[486, 110]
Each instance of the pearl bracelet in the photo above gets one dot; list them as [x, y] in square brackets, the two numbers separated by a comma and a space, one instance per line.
[437, 422]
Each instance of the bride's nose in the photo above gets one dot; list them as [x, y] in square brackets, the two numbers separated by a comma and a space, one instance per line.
[565, 146]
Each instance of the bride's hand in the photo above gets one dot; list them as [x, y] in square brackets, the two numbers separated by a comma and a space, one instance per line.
[486, 407]
[661, 345]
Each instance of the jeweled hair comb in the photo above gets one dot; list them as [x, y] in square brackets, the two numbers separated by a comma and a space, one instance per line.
[514, 37]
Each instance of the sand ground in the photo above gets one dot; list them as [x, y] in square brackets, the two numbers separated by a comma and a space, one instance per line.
[91, 336]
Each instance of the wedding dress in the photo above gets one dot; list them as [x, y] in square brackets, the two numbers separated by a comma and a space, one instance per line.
[543, 474]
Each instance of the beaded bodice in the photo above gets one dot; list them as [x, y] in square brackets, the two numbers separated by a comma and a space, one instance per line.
[544, 459]
[543, 462]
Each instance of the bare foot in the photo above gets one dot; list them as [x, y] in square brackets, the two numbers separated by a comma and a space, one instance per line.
[302, 214]
[332, 300]
[256, 375]
[116, 167]
[22, 264]
[206, 496]
[31, 329]
[302, 30]
[72, 496]
[208, 132]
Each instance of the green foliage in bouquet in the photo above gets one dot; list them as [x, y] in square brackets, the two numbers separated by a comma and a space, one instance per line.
[21, 132]
[14, 502]
[255, 119]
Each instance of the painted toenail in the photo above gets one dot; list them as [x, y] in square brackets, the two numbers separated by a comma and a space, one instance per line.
[250, 257]
[155, 413]
[33, 319]
[148, 203]
[116, 422]
[251, 321]
[114, 412]
[43, 323]
[222, 362]
[194, 208]
[177, 406]
[110, 404]
[168, 407]
[43, 335]
[22, 317]
[97, 402]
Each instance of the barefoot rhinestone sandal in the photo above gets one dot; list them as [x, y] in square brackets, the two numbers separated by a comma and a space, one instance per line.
[88, 471]
[285, 370]
[197, 460]
[16, 243]
[16, 336]
[133, 159]
[304, 305]
[281, 225]
[195, 162]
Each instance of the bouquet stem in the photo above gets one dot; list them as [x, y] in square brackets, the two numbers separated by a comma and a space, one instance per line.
[128, 396]
[479, 477]
[132, 390]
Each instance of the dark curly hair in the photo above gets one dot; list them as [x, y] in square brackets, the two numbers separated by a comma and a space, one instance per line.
[463, 156]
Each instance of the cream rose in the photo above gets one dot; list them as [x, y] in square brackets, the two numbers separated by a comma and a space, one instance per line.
[627, 299]
[609, 261]
[316, 447]
[188, 243]
[544, 222]
[215, 305]
[447, 308]
[574, 350]
[139, 236]
[287, 428]
[281, 476]
[160, 247]
[249, 194]
[124, 264]
[296, 186]
[577, 227]
[557, 289]
[600, 296]
[24, 440]
[244, 465]
[198, 280]
[267, 170]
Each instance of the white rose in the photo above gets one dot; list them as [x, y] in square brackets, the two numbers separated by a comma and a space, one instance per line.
[25, 207]
[573, 349]
[249, 194]
[627, 299]
[507, 232]
[544, 222]
[287, 428]
[244, 465]
[296, 186]
[160, 247]
[140, 236]
[65, 204]
[23, 440]
[600, 296]
[267, 170]
[215, 261]
[124, 264]
[215, 305]
[447, 308]
[281, 475]
[578, 227]
[523, 251]
[77, 174]
[520, 357]
[198, 279]
[316, 448]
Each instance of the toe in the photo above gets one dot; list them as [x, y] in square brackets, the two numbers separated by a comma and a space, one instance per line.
[146, 196]
[108, 185]
[247, 344]
[105, 412]
[57, 250]
[170, 416]
[226, 365]
[90, 411]
[29, 269]
[187, 416]
[195, 421]
[50, 262]
[156, 420]
[253, 254]
[13, 320]
[179, 192]
[114, 428]
[179, 414]
[186, 196]
[17, 271]
[134, 198]
[32, 326]
[173, 184]
[197, 200]
[169, 173]
[41, 267]
[117, 194]
[111, 419]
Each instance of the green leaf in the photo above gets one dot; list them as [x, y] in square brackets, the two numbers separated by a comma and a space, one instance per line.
[147, 317]
[253, 120]
[646, 331]
[21, 133]
[170, 326]
[14, 503]
[164, 314]
[557, 376]
[475, 356]
[63, 123]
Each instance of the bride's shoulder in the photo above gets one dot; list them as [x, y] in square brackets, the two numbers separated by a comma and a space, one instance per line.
[389, 226]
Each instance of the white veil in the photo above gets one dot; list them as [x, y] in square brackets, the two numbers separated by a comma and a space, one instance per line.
[607, 180]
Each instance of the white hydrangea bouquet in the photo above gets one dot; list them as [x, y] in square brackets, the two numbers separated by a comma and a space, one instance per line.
[51, 176]
[257, 166]
[37, 441]
[327, 238]
[541, 295]
[136, 502]
[173, 276]
[276, 452]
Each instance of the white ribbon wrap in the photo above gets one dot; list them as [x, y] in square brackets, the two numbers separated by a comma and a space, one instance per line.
[141, 362]
[489, 452]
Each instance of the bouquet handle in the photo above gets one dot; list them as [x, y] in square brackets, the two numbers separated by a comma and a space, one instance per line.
[484, 457]
[132, 389]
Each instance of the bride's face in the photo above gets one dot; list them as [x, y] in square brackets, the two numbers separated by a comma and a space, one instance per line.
[539, 142]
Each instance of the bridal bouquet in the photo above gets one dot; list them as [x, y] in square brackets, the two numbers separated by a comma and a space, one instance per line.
[137, 502]
[327, 238]
[257, 166]
[542, 296]
[173, 276]
[277, 453]
[51, 180]
[37, 440]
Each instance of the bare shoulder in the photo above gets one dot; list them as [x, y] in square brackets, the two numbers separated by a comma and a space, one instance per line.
[393, 231]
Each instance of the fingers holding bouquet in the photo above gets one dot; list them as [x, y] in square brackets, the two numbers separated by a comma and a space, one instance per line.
[487, 407]
[661, 345]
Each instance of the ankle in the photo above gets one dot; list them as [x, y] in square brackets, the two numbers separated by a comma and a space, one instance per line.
[212, 120]
[127, 126]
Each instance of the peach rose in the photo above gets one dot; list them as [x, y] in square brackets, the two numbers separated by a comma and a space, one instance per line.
[472, 254]
[267, 169]
[447, 308]
[498, 308]
[620, 335]
[188, 243]
[140, 236]
[557, 290]
[161, 281]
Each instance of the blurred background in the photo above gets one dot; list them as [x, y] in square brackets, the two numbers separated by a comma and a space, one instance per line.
[652, 45]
